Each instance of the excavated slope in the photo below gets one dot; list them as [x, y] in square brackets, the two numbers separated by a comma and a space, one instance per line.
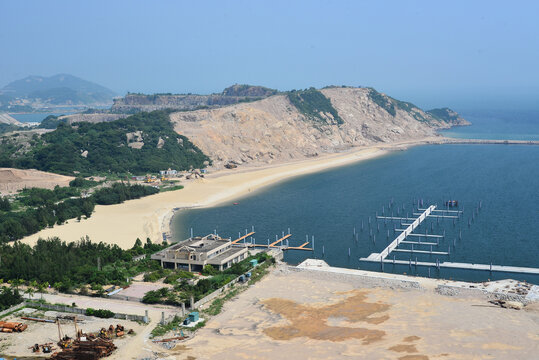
[272, 129]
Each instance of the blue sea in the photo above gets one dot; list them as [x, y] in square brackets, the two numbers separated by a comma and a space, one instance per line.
[329, 205]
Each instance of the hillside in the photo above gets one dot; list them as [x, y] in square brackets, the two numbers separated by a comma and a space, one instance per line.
[139, 144]
[57, 90]
[231, 95]
[304, 124]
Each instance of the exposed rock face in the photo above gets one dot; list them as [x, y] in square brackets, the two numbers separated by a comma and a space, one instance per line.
[135, 140]
[273, 129]
[231, 95]
[92, 118]
[6, 119]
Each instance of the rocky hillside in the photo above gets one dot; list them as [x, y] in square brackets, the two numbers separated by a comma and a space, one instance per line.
[304, 124]
[231, 95]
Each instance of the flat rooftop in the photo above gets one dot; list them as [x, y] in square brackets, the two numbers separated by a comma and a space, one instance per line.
[203, 244]
[229, 252]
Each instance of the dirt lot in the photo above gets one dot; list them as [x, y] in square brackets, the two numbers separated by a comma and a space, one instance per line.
[12, 180]
[18, 344]
[301, 315]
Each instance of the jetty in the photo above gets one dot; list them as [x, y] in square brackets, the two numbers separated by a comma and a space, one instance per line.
[408, 232]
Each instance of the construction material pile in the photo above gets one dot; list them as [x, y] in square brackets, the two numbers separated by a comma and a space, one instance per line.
[9, 327]
[86, 350]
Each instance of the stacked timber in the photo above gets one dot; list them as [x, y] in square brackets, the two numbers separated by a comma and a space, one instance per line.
[9, 327]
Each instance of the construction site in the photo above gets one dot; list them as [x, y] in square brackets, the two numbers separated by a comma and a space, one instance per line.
[32, 333]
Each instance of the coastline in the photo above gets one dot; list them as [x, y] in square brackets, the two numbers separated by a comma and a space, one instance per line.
[150, 217]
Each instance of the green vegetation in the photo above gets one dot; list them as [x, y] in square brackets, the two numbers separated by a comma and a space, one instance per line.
[161, 329]
[4, 128]
[82, 183]
[445, 114]
[67, 266]
[51, 122]
[43, 207]
[217, 305]
[5, 205]
[391, 105]
[183, 291]
[9, 297]
[315, 106]
[171, 188]
[91, 149]
[100, 313]
[383, 101]
[120, 192]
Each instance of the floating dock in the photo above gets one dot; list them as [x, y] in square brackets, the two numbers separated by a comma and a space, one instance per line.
[403, 234]
[402, 238]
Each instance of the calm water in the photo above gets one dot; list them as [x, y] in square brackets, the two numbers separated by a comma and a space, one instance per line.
[330, 204]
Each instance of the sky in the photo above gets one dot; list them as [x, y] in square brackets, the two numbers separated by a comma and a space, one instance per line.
[464, 54]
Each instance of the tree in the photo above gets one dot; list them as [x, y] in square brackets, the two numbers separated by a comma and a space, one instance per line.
[138, 244]
[41, 288]
[30, 289]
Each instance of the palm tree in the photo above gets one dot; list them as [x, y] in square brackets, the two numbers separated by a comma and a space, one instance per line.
[30, 289]
[16, 283]
[41, 288]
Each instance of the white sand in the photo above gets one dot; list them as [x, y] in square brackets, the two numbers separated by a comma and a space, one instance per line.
[149, 217]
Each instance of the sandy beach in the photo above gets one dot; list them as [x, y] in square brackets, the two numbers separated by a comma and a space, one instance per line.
[149, 217]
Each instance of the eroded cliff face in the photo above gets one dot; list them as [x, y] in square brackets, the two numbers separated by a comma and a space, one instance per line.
[273, 129]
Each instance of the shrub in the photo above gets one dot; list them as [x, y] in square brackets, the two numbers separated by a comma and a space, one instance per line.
[100, 313]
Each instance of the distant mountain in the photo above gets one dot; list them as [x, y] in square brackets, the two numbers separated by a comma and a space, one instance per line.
[61, 89]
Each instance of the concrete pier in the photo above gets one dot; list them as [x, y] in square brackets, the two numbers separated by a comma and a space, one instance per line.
[453, 265]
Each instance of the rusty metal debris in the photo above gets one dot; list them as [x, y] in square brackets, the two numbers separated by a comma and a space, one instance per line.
[9, 327]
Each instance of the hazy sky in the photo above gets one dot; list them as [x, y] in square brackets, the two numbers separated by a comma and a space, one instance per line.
[433, 53]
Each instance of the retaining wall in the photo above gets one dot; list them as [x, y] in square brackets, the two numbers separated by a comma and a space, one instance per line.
[13, 308]
[82, 311]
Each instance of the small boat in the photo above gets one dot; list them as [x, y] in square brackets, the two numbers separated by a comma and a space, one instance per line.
[236, 203]
[452, 203]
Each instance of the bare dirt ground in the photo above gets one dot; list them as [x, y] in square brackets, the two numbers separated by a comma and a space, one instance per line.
[302, 315]
[12, 180]
[18, 344]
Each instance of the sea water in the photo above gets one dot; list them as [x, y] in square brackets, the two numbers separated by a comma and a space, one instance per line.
[331, 205]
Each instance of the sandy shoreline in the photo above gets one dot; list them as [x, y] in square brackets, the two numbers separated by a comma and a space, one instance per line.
[150, 217]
